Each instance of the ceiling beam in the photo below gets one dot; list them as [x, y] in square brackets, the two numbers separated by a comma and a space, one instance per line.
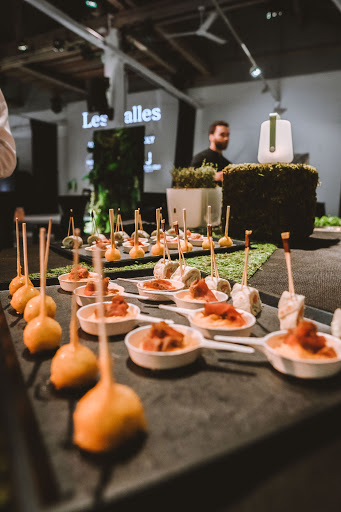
[59, 82]
[164, 9]
[184, 51]
[97, 40]
[147, 51]
[337, 3]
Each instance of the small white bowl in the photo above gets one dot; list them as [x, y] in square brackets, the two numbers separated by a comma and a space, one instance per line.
[113, 328]
[84, 300]
[159, 295]
[196, 242]
[303, 368]
[91, 249]
[175, 358]
[68, 285]
[173, 244]
[127, 246]
[210, 332]
[182, 302]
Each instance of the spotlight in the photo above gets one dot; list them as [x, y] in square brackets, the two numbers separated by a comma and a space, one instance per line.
[91, 4]
[22, 46]
[255, 71]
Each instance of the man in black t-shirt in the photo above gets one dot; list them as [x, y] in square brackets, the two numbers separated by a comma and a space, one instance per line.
[218, 134]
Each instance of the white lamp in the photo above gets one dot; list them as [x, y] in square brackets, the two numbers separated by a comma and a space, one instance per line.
[275, 141]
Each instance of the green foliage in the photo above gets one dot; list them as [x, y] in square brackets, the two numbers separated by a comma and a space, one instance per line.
[72, 186]
[189, 177]
[326, 220]
[230, 265]
[270, 199]
[117, 175]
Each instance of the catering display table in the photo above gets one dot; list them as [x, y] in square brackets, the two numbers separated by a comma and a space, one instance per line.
[207, 422]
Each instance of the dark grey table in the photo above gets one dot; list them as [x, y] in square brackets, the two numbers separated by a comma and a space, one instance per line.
[216, 428]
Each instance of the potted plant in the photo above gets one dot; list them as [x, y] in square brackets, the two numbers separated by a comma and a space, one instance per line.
[194, 189]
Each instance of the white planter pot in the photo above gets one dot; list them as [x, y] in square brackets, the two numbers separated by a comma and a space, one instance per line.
[195, 200]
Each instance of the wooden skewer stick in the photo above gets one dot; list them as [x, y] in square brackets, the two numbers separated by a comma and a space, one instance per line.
[176, 227]
[120, 228]
[42, 272]
[47, 248]
[209, 215]
[164, 240]
[18, 247]
[68, 231]
[73, 322]
[185, 224]
[140, 220]
[112, 224]
[136, 238]
[24, 241]
[104, 354]
[247, 248]
[73, 223]
[286, 246]
[216, 271]
[158, 225]
[227, 221]
[76, 253]
[209, 235]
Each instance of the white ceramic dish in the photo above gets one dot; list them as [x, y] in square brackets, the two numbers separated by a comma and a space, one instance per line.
[113, 328]
[84, 300]
[172, 244]
[127, 246]
[212, 332]
[91, 249]
[181, 302]
[159, 295]
[297, 367]
[196, 242]
[176, 358]
[68, 285]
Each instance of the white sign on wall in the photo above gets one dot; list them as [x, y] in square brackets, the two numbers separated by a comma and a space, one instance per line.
[139, 115]
[95, 121]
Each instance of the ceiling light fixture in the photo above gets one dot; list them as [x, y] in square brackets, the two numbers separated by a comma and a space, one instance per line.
[255, 71]
[22, 46]
[91, 4]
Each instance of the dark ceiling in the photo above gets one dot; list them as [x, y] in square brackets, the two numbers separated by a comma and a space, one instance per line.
[285, 37]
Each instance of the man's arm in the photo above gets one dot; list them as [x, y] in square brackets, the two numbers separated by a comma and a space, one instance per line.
[8, 158]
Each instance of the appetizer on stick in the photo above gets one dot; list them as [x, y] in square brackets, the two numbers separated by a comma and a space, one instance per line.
[206, 243]
[27, 291]
[32, 308]
[73, 365]
[71, 240]
[245, 297]
[136, 251]
[164, 268]
[226, 241]
[186, 246]
[290, 305]
[141, 233]
[42, 332]
[214, 282]
[184, 273]
[158, 248]
[19, 280]
[110, 414]
[95, 236]
[112, 254]
[120, 235]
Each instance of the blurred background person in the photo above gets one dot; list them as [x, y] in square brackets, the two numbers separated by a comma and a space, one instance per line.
[218, 135]
[8, 158]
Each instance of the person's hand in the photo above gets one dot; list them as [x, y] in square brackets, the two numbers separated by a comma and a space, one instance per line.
[219, 176]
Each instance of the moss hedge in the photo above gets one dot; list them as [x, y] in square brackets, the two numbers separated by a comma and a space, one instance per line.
[270, 199]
